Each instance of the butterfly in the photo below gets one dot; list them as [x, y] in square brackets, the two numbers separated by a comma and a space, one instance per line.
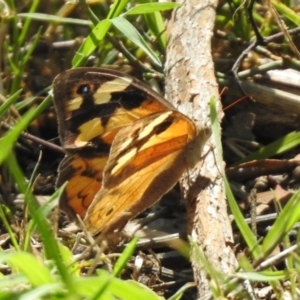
[125, 145]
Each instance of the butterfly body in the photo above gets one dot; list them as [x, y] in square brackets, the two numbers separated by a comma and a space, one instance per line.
[125, 146]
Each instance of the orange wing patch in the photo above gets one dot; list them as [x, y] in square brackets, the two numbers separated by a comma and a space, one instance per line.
[84, 176]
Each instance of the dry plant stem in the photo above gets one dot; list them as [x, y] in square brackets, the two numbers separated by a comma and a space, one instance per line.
[285, 101]
[190, 84]
[35, 139]
[252, 46]
[259, 37]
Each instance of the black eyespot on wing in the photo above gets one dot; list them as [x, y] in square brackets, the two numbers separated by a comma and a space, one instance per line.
[84, 89]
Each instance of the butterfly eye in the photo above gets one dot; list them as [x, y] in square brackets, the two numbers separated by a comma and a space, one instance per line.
[84, 89]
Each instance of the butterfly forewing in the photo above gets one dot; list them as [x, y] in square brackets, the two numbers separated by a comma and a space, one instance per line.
[93, 103]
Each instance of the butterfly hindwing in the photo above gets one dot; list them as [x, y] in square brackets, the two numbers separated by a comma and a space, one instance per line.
[141, 169]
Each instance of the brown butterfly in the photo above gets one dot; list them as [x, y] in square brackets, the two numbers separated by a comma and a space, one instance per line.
[125, 146]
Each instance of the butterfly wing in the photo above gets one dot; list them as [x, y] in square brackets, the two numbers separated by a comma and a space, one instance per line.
[92, 105]
[147, 159]
[84, 176]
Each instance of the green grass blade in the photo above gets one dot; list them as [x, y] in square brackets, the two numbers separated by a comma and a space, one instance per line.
[30, 50]
[9, 102]
[8, 141]
[28, 265]
[117, 8]
[288, 12]
[94, 19]
[51, 18]
[246, 232]
[51, 203]
[68, 259]
[28, 102]
[101, 293]
[8, 228]
[200, 259]
[112, 286]
[156, 24]
[42, 291]
[128, 290]
[98, 33]
[19, 73]
[125, 256]
[131, 33]
[238, 216]
[91, 42]
[49, 241]
[147, 8]
[263, 276]
[244, 263]
[178, 295]
[280, 146]
[27, 23]
[44, 210]
[286, 220]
